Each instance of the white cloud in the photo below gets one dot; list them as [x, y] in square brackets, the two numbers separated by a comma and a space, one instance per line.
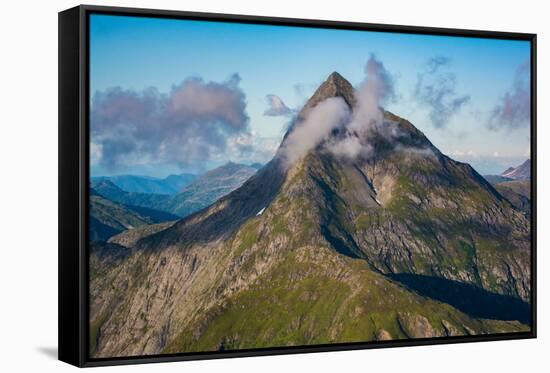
[316, 127]
[187, 126]
[277, 107]
[436, 89]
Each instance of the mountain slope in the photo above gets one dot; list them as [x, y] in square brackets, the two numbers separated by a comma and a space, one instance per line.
[325, 250]
[146, 184]
[178, 182]
[108, 218]
[200, 193]
[111, 191]
[208, 188]
[495, 179]
[521, 172]
[518, 192]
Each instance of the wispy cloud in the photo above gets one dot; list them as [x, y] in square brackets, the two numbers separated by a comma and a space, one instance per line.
[514, 108]
[189, 125]
[277, 107]
[436, 90]
[376, 90]
[488, 162]
[250, 148]
[317, 125]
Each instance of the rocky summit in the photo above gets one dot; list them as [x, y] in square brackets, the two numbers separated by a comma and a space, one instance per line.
[401, 243]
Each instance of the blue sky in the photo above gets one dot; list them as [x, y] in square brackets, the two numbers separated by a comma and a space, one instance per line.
[290, 62]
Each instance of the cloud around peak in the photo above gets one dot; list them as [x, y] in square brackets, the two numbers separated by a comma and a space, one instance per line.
[353, 127]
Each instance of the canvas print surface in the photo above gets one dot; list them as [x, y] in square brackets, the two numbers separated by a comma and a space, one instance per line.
[260, 186]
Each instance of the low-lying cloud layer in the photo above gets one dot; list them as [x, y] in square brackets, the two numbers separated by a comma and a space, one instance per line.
[514, 109]
[189, 125]
[436, 90]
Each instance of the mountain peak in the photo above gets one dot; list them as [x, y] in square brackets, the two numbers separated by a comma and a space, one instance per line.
[336, 77]
[334, 86]
[523, 171]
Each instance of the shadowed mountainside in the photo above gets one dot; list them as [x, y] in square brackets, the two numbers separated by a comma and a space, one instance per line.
[108, 218]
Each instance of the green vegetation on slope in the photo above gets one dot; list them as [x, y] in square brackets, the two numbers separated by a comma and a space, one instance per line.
[327, 251]
[316, 297]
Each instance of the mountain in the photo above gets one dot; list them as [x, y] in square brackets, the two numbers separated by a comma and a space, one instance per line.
[514, 184]
[401, 243]
[200, 193]
[209, 187]
[147, 184]
[178, 182]
[108, 218]
[518, 192]
[521, 172]
[111, 191]
[495, 179]
[256, 165]
[129, 237]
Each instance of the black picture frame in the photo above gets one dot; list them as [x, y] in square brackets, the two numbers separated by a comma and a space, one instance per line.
[74, 182]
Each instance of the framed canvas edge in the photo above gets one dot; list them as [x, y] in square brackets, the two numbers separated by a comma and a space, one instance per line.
[70, 162]
[306, 22]
[81, 331]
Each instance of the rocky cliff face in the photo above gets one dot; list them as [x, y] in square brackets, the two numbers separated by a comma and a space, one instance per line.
[403, 243]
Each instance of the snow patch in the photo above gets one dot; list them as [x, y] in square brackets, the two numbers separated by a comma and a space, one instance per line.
[376, 195]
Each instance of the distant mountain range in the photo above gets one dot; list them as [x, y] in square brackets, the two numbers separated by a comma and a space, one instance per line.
[495, 179]
[210, 187]
[200, 193]
[521, 172]
[515, 185]
[518, 192]
[109, 190]
[108, 218]
[171, 184]
[403, 243]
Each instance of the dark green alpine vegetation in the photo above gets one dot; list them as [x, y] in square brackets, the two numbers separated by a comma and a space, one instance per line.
[404, 243]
